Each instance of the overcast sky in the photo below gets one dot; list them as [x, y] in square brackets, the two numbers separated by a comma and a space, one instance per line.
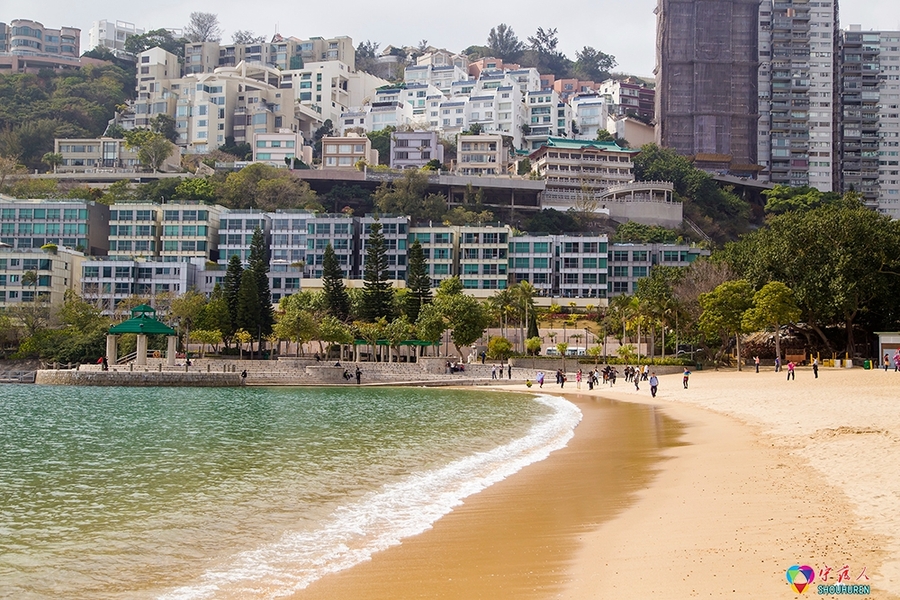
[625, 29]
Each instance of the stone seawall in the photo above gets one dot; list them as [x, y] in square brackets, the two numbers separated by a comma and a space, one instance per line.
[138, 378]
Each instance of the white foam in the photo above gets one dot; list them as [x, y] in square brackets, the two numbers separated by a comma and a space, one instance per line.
[382, 519]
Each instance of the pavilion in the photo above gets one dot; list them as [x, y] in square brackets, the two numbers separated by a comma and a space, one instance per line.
[143, 322]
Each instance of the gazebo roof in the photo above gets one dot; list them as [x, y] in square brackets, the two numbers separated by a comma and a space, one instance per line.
[142, 321]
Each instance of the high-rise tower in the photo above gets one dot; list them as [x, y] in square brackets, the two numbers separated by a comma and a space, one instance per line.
[707, 62]
[798, 93]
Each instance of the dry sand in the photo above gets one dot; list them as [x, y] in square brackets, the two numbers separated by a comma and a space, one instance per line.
[769, 473]
[783, 472]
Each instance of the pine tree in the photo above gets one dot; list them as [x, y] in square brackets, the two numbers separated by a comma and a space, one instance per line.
[249, 313]
[232, 289]
[418, 282]
[377, 295]
[335, 296]
[258, 264]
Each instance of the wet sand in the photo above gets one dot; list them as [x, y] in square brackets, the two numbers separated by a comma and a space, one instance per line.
[518, 538]
[710, 492]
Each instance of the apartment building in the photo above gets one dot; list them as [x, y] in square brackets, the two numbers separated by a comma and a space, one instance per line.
[189, 231]
[134, 231]
[870, 120]
[798, 92]
[483, 256]
[439, 245]
[567, 266]
[236, 229]
[439, 77]
[38, 276]
[112, 35]
[415, 149]
[345, 152]
[629, 263]
[278, 148]
[546, 117]
[92, 155]
[483, 154]
[476, 68]
[108, 282]
[629, 97]
[569, 88]
[342, 232]
[289, 230]
[706, 94]
[581, 169]
[28, 46]
[75, 224]
[590, 115]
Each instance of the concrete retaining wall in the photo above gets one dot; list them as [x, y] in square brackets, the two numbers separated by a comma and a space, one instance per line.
[138, 378]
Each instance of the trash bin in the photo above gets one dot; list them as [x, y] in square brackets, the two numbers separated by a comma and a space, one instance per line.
[867, 364]
[699, 366]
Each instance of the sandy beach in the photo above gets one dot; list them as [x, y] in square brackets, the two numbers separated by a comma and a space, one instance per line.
[723, 487]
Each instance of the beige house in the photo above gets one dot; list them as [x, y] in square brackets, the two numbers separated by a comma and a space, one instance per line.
[481, 155]
[91, 155]
[345, 152]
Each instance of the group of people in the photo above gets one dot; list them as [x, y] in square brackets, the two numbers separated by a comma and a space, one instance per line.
[495, 371]
[791, 366]
[608, 375]
[896, 361]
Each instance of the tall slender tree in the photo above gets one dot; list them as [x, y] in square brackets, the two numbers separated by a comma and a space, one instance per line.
[233, 277]
[258, 264]
[418, 282]
[249, 310]
[377, 294]
[335, 296]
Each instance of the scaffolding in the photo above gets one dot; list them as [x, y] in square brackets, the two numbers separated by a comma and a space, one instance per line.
[707, 64]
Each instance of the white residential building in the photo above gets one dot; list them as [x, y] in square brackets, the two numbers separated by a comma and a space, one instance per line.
[279, 148]
[590, 114]
[112, 35]
[415, 149]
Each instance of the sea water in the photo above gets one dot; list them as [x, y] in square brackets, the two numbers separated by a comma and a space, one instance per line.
[184, 493]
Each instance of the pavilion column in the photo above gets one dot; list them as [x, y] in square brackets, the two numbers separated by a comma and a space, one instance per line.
[141, 356]
[112, 348]
[171, 349]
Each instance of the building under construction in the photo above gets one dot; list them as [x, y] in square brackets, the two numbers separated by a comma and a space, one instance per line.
[707, 105]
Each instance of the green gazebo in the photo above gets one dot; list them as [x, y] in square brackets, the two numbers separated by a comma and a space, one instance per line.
[143, 322]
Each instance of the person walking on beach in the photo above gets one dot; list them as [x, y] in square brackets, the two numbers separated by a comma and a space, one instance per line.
[654, 384]
[815, 366]
[756, 362]
[685, 376]
[483, 356]
[562, 379]
[790, 367]
[885, 362]
[637, 382]
[508, 370]
[777, 364]
[358, 375]
[494, 372]
[540, 379]
[897, 360]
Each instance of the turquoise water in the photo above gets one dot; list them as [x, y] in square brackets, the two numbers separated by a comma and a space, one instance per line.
[245, 492]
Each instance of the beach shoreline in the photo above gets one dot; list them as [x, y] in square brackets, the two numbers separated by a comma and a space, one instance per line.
[726, 511]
